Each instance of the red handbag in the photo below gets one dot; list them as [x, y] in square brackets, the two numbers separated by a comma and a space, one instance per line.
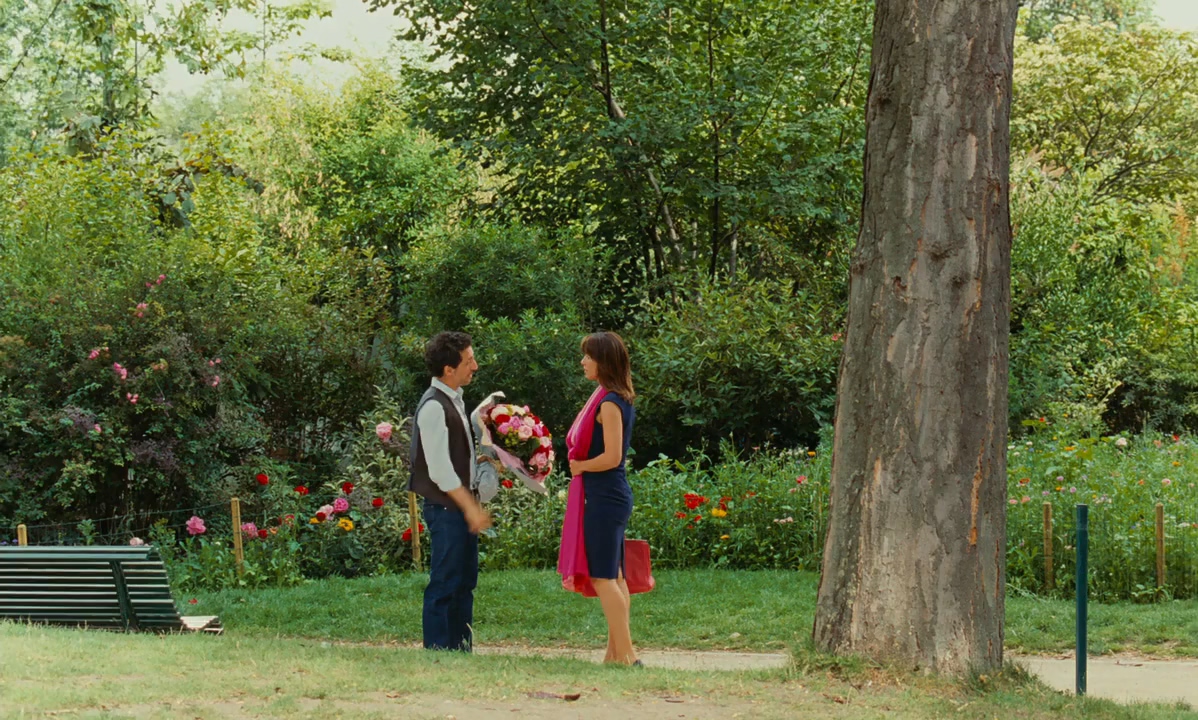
[638, 571]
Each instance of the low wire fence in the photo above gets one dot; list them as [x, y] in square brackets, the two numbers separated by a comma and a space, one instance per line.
[1140, 550]
[1145, 555]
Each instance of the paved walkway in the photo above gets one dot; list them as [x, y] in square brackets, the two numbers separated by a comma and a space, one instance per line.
[1124, 678]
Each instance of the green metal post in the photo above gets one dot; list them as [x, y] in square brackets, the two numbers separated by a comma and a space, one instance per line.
[1083, 575]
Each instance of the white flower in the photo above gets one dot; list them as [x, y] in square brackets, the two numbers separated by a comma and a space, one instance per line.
[1121, 442]
[561, 494]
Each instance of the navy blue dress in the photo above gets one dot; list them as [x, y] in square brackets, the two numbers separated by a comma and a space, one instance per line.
[608, 501]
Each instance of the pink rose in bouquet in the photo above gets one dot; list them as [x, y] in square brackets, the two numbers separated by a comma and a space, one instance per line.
[522, 435]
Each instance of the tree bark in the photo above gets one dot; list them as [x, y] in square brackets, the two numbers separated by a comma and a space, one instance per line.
[914, 561]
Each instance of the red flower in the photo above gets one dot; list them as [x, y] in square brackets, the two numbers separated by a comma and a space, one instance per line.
[322, 516]
[679, 514]
[262, 534]
[698, 518]
[690, 527]
[507, 484]
[289, 518]
[801, 479]
[262, 479]
[750, 494]
[377, 502]
[1176, 438]
[724, 502]
[501, 419]
[192, 601]
[693, 501]
[300, 489]
[347, 488]
[407, 535]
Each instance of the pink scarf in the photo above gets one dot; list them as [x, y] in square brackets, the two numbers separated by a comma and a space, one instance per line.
[572, 554]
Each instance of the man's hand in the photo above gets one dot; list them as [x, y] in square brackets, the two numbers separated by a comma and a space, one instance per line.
[477, 519]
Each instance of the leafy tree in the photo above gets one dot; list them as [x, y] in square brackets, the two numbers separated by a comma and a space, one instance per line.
[1121, 103]
[1039, 18]
[689, 134]
[87, 65]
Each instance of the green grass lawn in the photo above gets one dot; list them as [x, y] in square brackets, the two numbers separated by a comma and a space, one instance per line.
[692, 609]
[49, 672]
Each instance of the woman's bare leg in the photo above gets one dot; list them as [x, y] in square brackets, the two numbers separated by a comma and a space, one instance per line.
[615, 609]
[610, 656]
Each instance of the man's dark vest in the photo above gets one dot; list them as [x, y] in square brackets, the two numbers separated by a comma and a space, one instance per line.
[459, 451]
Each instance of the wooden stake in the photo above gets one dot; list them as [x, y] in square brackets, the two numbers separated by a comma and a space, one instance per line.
[238, 553]
[22, 536]
[414, 524]
[1049, 579]
[1160, 547]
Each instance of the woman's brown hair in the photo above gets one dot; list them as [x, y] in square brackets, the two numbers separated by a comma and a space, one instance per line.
[615, 370]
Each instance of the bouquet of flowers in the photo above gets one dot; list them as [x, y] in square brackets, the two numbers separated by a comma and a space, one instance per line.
[517, 438]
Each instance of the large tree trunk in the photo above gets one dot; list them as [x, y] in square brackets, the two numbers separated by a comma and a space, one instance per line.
[913, 567]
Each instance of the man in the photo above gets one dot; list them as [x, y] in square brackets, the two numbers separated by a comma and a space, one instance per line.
[443, 457]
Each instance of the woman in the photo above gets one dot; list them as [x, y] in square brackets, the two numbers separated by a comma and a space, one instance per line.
[608, 495]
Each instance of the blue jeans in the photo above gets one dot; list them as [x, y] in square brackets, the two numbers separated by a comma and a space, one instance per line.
[453, 575]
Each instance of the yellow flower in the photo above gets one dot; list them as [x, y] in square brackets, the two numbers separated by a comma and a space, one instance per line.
[719, 512]
[725, 537]
[1176, 464]
[1069, 448]
[810, 453]
[346, 524]
[313, 521]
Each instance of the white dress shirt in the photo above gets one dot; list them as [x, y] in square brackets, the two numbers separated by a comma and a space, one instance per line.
[434, 438]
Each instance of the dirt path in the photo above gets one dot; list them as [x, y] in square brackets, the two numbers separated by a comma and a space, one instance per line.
[671, 659]
[1121, 678]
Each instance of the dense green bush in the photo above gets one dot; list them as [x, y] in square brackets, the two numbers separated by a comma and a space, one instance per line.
[1102, 312]
[753, 361]
[498, 271]
[172, 356]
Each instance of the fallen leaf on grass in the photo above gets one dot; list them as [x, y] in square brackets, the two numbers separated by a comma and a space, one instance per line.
[837, 699]
[570, 697]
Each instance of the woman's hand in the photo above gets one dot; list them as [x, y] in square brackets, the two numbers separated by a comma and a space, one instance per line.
[576, 467]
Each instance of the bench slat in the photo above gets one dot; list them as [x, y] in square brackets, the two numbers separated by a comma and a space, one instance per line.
[79, 586]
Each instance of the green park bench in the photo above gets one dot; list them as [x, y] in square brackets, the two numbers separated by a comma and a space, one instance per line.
[117, 588]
